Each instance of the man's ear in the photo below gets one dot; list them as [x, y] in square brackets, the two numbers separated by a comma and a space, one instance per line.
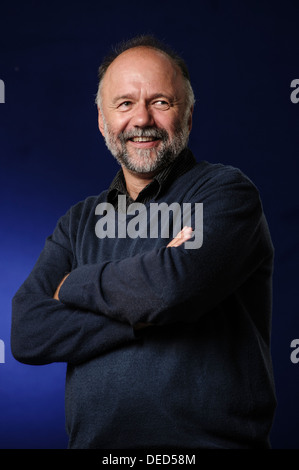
[101, 122]
[190, 118]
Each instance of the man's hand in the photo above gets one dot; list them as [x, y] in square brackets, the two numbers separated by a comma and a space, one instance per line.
[184, 235]
[56, 295]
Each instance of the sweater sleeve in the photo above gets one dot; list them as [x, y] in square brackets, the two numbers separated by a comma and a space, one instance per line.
[45, 330]
[163, 285]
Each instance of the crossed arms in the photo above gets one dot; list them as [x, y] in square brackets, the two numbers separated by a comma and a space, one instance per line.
[101, 305]
[184, 235]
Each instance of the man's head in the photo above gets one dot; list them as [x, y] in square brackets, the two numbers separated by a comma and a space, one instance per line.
[145, 103]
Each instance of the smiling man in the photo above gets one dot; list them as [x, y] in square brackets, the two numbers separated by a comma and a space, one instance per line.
[167, 347]
[146, 117]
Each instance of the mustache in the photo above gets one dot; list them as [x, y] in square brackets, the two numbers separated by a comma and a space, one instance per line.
[153, 132]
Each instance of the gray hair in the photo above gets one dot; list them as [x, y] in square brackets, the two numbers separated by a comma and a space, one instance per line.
[153, 43]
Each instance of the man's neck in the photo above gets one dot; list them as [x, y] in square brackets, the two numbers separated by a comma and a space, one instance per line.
[136, 182]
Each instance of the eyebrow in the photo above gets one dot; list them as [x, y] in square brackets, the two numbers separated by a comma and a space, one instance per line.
[122, 97]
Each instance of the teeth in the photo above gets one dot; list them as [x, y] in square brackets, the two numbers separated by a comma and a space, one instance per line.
[142, 139]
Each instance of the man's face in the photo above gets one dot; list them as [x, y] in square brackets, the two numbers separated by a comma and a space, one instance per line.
[143, 115]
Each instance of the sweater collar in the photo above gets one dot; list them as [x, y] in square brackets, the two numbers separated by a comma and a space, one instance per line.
[160, 183]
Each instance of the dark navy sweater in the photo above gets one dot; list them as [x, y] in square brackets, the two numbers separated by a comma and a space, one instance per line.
[200, 376]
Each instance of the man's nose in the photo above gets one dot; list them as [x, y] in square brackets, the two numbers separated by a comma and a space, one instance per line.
[142, 116]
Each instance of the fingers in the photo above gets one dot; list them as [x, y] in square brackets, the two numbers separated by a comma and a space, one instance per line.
[184, 235]
[56, 294]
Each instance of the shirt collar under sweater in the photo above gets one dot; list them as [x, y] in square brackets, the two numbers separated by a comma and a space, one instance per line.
[184, 162]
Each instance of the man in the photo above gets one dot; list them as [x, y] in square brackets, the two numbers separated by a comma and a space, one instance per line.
[167, 344]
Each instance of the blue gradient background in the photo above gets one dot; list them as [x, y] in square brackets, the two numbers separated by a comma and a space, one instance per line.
[242, 58]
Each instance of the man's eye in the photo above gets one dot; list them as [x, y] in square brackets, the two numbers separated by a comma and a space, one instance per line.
[124, 105]
[161, 104]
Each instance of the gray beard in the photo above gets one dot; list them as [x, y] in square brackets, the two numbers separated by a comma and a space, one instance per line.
[148, 160]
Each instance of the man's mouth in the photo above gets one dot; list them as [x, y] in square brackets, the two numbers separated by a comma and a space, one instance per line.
[143, 139]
